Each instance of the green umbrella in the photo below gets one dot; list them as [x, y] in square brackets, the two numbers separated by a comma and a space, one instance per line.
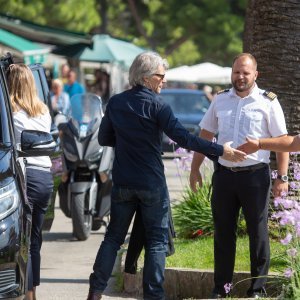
[104, 48]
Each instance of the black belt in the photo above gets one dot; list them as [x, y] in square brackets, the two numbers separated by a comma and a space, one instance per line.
[239, 169]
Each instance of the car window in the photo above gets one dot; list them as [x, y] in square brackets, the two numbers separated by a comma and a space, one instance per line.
[186, 103]
[39, 86]
[4, 127]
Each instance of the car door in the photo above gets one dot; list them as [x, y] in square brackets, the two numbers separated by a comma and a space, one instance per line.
[44, 94]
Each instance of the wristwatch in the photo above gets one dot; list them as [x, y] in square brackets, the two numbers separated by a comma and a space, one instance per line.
[284, 178]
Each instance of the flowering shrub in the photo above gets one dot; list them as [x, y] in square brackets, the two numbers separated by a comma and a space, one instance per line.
[193, 216]
[288, 216]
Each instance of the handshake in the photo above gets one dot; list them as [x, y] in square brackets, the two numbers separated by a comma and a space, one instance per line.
[241, 152]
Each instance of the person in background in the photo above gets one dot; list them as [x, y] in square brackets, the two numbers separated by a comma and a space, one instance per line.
[29, 112]
[208, 92]
[216, 89]
[101, 84]
[60, 100]
[278, 144]
[72, 86]
[244, 110]
[133, 123]
[65, 69]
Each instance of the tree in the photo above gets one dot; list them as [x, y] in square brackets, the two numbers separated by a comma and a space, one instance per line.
[272, 35]
[70, 15]
[183, 31]
[207, 29]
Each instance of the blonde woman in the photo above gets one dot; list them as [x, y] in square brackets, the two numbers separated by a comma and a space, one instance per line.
[30, 112]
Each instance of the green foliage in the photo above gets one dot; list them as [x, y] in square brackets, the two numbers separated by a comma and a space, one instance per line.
[198, 254]
[193, 216]
[194, 213]
[184, 31]
[187, 54]
[70, 15]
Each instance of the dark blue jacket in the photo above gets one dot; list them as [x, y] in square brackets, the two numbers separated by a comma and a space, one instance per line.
[133, 123]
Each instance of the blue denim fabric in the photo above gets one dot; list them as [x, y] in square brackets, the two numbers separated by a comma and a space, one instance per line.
[154, 208]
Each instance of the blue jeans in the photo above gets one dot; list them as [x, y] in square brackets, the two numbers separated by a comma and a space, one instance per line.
[154, 208]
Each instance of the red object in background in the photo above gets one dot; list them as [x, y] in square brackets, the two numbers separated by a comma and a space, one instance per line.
[198, 232]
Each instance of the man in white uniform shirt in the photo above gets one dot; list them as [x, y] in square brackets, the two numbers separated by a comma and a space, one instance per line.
[240, 112]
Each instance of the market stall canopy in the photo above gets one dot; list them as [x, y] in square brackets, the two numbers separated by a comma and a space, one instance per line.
[200, 73]
[104, 48]
[31, 52]
[41, 33]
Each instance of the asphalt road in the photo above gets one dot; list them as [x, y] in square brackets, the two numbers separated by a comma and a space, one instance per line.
[67, 263]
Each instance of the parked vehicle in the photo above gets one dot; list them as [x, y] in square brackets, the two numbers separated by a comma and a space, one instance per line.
[85, 194]
[189, 106]
[44, 94]
[15, 214]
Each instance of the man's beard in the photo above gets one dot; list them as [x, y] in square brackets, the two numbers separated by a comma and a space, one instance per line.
[246, 86]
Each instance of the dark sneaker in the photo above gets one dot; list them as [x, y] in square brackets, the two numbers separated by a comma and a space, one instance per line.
[94, 296]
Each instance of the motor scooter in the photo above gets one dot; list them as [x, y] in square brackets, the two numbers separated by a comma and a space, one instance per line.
[85, 189]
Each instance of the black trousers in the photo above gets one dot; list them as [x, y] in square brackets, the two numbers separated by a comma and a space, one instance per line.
[232, 191]
[39, 190]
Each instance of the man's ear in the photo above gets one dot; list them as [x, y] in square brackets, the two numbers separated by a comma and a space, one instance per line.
[256, 75]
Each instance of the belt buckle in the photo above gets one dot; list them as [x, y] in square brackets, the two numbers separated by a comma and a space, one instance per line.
[233, 169]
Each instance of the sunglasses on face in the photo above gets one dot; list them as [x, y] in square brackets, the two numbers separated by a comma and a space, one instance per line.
[161, 76]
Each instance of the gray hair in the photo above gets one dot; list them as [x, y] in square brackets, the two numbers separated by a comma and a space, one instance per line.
[145, 65]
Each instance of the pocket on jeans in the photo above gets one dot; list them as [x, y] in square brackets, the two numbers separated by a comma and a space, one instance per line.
[154, 196]
[121, 194]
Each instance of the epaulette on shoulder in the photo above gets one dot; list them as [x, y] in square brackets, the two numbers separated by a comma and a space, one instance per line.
[270, 95]
[223, 91]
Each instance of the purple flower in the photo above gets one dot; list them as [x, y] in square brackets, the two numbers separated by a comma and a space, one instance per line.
[171, 142]
[227, 287]
[297, 228]
[292, 252]
[294, 185]
[176, 160]
[274, 174]
[287, 239]
[294, 153]
[286, 203]
[288, 272]
[181, 151]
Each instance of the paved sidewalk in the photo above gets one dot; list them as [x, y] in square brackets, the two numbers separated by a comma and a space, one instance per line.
[67, 263]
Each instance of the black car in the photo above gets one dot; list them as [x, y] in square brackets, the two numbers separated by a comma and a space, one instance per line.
[189, 106]
[15, 214]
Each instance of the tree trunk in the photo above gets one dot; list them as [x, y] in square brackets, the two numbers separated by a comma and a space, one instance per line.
[272, 35]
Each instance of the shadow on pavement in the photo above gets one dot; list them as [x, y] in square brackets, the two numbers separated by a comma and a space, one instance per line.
[58, 236]
[64, 280]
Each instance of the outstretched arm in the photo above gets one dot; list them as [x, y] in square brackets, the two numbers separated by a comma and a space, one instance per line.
[229, 153]
[284, 143]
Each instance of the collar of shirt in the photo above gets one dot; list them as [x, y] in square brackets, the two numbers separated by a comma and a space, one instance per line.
[253, 94]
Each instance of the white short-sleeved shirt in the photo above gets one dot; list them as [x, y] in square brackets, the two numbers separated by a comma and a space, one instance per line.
[234, 118]
[43, 123]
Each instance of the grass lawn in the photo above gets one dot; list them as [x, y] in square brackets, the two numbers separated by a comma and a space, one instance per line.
[198, 254]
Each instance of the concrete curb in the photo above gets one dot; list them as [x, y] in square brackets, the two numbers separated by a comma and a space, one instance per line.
[181, 283]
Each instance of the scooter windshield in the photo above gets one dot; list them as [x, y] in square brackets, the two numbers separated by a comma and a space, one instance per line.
[86, 111]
